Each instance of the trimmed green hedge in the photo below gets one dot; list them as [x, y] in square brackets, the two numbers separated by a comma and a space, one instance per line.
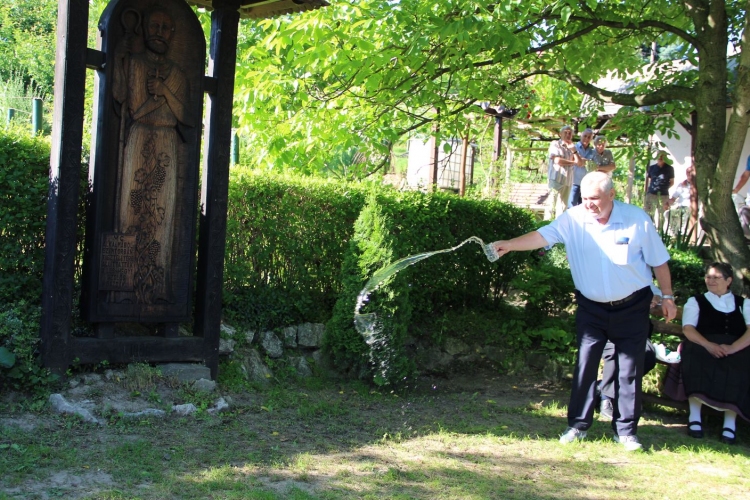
[285, 244]
[300, 250]
[286, 241]
[24, 181]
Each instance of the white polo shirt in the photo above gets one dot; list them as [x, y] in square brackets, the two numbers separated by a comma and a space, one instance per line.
[608, 261]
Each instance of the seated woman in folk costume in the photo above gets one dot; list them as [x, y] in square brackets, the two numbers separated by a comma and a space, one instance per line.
[716, 358]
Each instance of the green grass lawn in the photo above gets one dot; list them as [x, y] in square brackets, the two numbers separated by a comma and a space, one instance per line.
[483, 438]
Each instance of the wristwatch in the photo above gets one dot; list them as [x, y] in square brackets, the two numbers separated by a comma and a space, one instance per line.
[670, 297]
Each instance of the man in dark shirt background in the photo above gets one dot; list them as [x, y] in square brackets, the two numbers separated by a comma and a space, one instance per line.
[659, 178]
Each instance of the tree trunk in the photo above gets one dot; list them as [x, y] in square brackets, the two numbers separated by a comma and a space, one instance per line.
[718, 146]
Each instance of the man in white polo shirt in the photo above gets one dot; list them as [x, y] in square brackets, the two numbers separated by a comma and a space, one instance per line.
[612, 248]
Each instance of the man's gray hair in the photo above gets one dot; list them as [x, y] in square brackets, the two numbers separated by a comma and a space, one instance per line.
[600, 138]
[599, 179]
[566, 127]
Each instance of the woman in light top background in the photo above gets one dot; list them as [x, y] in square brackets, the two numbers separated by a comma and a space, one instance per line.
[715, 357]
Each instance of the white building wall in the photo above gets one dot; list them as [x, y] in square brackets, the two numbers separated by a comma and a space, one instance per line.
[418, 164]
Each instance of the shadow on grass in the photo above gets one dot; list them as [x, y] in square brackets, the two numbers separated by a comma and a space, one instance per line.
[491, 441]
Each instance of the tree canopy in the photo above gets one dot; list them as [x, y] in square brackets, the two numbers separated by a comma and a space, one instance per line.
[364, 73]
[27, 41]
[332, 90]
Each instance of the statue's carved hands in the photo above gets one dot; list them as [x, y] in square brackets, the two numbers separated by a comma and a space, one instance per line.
[156, 85]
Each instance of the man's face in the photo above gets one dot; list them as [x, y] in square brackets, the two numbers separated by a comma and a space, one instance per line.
[600, 147]
[160, 28]
[566, 135]
[660, 161]
[597, 203]
[586, 138]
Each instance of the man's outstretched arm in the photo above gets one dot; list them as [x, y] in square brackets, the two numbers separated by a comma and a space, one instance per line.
[528, 241]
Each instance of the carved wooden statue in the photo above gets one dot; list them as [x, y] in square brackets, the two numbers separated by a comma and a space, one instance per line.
[141, 246]
[152, 90]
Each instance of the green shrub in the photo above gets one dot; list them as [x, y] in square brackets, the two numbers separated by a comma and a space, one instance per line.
[546, 285]
[381, 355]
[395, 225]
[19, 339]
[24, 182]
[24, 186]
[285, 245]
[687, 270]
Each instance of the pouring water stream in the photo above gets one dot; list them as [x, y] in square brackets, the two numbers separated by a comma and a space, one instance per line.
[366, 323]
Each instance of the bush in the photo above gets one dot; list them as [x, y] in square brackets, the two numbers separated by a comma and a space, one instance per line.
[19, 340]
[687, 270]
[24, 182]
[24, 186]
[285, 245]
[546, 285]
[396, 225]
[379, 352]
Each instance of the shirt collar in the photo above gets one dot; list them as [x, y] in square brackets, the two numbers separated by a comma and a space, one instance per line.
[727, 298]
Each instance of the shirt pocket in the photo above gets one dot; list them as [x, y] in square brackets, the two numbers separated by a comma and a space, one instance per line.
[621, 249]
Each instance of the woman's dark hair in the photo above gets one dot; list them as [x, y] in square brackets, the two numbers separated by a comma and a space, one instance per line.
[724, 268]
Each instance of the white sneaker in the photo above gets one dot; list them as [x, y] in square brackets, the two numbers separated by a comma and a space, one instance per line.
[572, 434]
[630, 443]
[665, 355]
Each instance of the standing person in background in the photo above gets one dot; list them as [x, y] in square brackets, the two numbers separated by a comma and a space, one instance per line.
[659, 178]
[612, 248]
[562, 157]
[677, 207]
[586, 153]
[603, 158]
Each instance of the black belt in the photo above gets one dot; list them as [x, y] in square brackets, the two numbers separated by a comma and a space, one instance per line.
[621, 301]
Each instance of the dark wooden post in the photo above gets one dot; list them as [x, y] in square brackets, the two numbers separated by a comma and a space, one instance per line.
[65, 171]
[215, 184]
[433, 177]
[497, 139]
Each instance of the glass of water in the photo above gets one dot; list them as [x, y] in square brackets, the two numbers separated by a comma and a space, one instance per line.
[490, 252]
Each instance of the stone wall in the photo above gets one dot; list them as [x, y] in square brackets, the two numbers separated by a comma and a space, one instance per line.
[299, 348]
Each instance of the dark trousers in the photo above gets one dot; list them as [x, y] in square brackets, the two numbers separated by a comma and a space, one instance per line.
[627, 327]
[609, 370]
[575, 196]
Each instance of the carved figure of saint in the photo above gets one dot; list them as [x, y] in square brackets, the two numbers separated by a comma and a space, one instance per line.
[152, 93]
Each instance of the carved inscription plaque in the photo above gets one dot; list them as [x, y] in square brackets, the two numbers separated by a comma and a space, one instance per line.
[118, 262]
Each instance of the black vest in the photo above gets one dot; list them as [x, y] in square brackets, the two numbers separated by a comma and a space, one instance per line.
[711, 321]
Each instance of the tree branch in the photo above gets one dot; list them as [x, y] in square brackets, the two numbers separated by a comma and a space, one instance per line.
[658, 96]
